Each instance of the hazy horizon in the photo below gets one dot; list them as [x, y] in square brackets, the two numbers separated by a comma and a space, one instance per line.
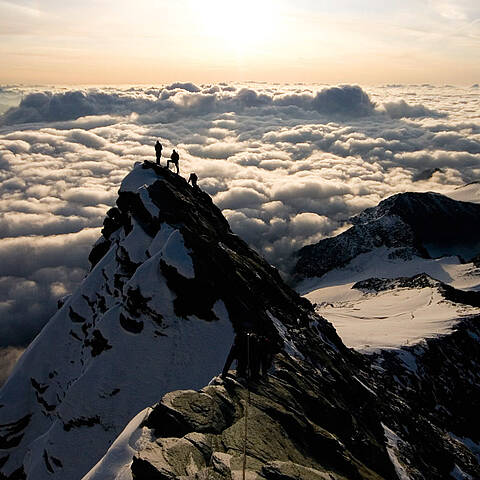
[427, 41]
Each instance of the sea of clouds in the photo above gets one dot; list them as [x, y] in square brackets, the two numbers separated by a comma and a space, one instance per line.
[287, 164]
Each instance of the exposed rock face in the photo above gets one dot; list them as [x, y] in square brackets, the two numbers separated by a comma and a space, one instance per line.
[422, 224]
[298, 424]
[155, 318]
[438, 383]
[169, 285]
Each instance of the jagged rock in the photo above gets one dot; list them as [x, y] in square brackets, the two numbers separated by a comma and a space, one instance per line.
[421, 280]
[130, 325]
[170, 263]
[183, 412]
[11, 434]
[281, 432]
[476, 261]
[99, 250]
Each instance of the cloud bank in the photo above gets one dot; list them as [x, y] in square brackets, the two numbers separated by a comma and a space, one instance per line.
[288, 165]
[186, 99]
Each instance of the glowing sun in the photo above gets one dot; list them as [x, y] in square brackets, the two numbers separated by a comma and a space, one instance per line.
[239, 24]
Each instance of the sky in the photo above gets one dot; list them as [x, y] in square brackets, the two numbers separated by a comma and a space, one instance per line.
[157, 41]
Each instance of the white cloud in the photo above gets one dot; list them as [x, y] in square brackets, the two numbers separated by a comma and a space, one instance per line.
[239, 197]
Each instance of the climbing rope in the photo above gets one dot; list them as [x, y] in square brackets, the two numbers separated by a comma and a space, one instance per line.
[247, 403]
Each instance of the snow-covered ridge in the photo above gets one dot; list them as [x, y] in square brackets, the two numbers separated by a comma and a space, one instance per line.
[407, 270]
[466, 193]
[113, 387]
[381, 301]
[168, 285]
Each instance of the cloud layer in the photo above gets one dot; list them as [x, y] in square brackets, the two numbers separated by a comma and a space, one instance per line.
[288, 164]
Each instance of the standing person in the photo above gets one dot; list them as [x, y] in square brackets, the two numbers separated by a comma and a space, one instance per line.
[174, 157]
[158, 151]
[238, 352]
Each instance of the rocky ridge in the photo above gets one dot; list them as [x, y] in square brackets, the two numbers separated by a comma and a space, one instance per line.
[124, 394]
[169, 285]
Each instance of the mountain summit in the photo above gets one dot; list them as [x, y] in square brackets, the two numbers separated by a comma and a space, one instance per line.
[115, 385]
[169, 285]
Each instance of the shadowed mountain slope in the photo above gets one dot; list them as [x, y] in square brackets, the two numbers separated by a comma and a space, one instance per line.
[114, 385]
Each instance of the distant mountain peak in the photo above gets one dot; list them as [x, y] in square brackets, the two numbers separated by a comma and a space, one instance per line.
[428, 225]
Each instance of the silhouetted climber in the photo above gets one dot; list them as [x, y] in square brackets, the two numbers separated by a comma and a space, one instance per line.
[237, 352]
[267, 348]
[158, 151]
[174, 157]
[193, 180]
[246, 350]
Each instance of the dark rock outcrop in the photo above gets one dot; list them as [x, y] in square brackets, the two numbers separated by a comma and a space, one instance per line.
[422, 280]
[301, 424]
[433, 391]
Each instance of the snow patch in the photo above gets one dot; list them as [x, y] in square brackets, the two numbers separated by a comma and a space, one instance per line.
[147, 202]
[175, 254]
[458, 474]
[139, 177]
[136, 243]
[364, 386]
[369, 320]
[466, 193]
[116, 463]
[290, 347]
[474, 447]
[408, 359]
[160, 238]
[392, 449]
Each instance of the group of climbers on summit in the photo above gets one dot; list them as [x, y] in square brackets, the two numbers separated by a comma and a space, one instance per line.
[174, 158]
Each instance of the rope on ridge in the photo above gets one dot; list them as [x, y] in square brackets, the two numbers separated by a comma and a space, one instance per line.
[247, 403]
[245, 437]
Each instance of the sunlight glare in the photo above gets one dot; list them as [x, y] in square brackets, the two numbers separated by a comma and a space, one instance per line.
[239, 25]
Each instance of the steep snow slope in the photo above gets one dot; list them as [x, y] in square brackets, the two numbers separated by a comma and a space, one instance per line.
[368, 319]
[466, 193]
[116, 346]
[168, 285]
